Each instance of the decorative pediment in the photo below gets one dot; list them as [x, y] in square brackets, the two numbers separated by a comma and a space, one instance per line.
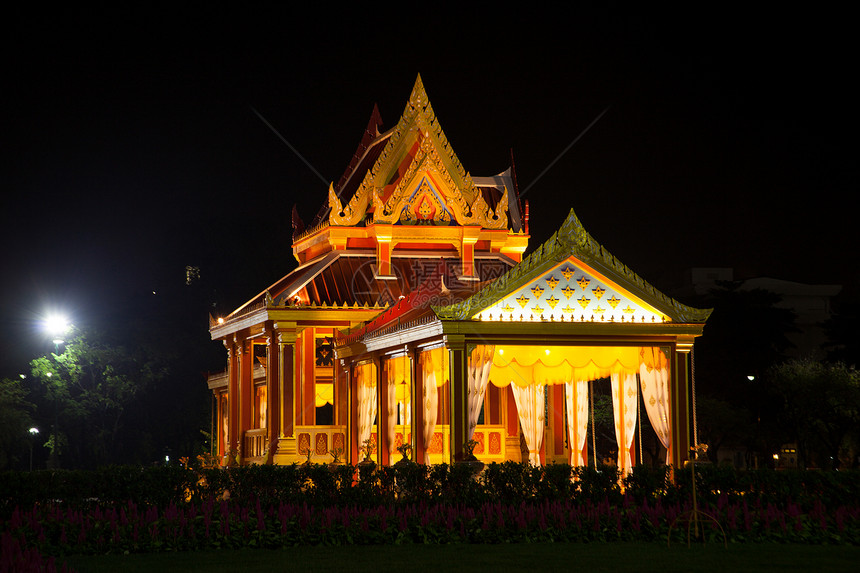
[572, 278]
[569, 293]
[418, 177]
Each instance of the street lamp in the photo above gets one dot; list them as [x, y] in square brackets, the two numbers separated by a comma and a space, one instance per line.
[57, 325]
[33, 432]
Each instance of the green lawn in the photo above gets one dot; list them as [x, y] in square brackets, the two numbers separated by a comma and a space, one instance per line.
[595, 557]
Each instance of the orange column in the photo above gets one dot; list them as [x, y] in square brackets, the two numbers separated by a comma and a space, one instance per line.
[384, 235]
[246, 391]
[467, 250]
[309, 389]
[286, 379]
[558, 428]
[418, 444]
[232, 401]
[352, 420]
[383, 447]
[273, 387]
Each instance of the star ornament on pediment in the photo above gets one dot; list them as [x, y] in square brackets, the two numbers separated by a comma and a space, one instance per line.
[567, 272]
[568, 292]
[552, 301]
[551, 281]
[583, 281]
[537, 291]
[583, 302]
[523, 300]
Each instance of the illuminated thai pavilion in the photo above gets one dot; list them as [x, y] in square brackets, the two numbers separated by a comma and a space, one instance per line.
[414, 318]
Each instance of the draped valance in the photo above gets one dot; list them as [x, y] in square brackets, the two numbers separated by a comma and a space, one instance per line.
[527, 365]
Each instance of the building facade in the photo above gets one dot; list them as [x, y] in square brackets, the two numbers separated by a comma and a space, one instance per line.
[415, 325]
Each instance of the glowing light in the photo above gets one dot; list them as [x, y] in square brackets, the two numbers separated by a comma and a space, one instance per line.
[56, 324]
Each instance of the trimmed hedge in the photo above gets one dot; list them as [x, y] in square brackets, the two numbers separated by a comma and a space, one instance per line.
[341, 485]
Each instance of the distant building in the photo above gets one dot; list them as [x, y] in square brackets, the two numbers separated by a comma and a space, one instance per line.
[811, 304]
[414, 324]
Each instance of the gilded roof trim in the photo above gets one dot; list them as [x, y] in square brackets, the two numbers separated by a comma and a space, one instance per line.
[571, 240]
[417, 124]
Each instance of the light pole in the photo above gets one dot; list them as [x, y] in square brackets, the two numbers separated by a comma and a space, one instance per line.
[52, 458]
[57, 325]
[33, 433]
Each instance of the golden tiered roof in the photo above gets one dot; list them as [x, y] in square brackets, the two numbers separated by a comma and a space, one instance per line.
[419, 177]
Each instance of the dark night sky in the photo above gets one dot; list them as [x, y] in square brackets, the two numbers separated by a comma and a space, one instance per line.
[131, 149]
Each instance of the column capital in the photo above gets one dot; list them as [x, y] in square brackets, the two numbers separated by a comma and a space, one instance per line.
[287, 337]
[684, 344]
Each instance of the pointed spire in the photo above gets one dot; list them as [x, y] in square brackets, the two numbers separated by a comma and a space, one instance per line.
[418, 102]
[298, 224]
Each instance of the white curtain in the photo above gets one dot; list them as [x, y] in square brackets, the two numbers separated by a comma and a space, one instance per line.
[530, 408]
[480, 362]
[576, 400]
[654, 383]
[365, 375]
[624, 397]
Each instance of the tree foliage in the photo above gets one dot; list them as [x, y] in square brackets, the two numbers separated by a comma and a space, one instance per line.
[744, 336]
[103, 403]
[818, 408]
[15, 411]
[88, 391]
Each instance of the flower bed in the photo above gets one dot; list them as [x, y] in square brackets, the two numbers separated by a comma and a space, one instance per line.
[273, 507]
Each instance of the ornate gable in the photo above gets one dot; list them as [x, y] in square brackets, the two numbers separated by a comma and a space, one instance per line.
[572, 278]
[418, 177]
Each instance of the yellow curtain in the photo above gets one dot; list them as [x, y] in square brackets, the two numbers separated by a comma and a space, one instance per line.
[365, 375]
[624, 399]
[576, 399]
[480, 362]
[324, 395]
[654, 384]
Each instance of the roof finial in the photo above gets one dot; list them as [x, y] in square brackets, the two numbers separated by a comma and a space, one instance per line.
[418, 96]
